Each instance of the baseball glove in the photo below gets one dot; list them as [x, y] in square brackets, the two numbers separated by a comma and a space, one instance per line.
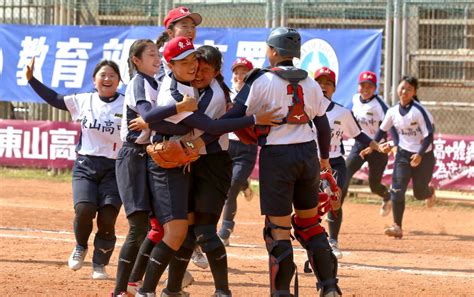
[173, 153]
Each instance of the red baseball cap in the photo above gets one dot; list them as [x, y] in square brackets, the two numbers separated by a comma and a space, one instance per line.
[242, 62]
[368, 76]
[179, 13]
[178, 48]
[325, 71]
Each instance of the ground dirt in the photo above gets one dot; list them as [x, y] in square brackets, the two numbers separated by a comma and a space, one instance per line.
[434, 258]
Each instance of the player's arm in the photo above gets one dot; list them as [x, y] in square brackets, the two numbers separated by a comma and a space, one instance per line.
[324, 138]
[48, 95]
[156, 114]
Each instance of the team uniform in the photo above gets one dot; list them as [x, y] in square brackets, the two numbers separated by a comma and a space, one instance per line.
[343, 124]
[244, 157]
[132, 175]
[289, 172]
[414, 125]
[94, 182]
[369, 115]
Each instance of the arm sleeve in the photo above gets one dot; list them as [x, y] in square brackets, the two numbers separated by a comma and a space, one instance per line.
[51, 97]
[156, 114]
[394, 134]
[426, 142]
[363, 138]
[324, 135]
[381, 134]
[217, 127]
[237, 111]
[168, 128]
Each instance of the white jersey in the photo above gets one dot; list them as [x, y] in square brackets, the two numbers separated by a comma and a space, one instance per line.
[413, 123]
[212, 103]
[369, 114]
[232, 135]
[271, 90]
[100, 123]
[171, 91]
[342, 123]
[141, 87]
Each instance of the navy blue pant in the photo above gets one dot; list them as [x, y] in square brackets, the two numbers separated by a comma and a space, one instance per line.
[402, 173]
[243, 157]
[377, 162]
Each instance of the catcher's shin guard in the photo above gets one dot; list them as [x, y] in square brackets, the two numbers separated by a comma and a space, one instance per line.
[313, 238]
[281, 265]
[157, 232]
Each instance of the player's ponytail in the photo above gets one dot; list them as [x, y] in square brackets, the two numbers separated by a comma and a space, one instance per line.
[213, 57]
[136, 50]
[164, 37]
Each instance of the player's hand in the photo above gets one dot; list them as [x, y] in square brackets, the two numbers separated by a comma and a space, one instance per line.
[187, 104]
[266, 117]
[29, 69]
[385, 147]
[367, 151]
[138, 124]
[394, 150]
[324, 163]
[415, 160]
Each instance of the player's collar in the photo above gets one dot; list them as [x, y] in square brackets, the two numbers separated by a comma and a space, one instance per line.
[368, 100]
[108, 99]
[330, 106]
[405, 109]
[151, 80]
[285, 63]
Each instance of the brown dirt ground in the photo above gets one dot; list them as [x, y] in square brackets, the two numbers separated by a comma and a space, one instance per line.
[435, 257]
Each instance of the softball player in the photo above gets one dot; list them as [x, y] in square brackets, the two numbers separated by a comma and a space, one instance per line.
[178, 22]
[243, 157]
[94, 183]
[414, 159]
[342, 123]
[140, 96]
[171, 187]
[369, 110]
[289, 166]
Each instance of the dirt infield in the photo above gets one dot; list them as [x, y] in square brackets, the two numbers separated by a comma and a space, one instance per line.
[435, 257]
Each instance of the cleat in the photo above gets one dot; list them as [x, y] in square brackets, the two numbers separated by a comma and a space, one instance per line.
[166, 293]
[98, 272]
[199, 259]
[386, 208]
[394, 231]
[132, 287]
[220, 293]
[140, 294]
[188, 280]
[431, 201]
[76, 260]
[335, 248]
[248, 193]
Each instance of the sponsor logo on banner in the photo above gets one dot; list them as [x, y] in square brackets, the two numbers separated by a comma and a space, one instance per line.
[317, 53]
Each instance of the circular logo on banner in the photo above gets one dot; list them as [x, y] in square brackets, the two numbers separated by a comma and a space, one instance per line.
[317, 53]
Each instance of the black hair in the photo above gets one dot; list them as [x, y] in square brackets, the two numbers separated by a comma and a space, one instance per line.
[164, 37]
[213, 57]
[109, 63]
[413, 81]
[136, 50]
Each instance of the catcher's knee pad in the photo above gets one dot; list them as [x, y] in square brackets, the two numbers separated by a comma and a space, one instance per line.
[278, 251]
[103, 249]
[206, 237]
[157, 232]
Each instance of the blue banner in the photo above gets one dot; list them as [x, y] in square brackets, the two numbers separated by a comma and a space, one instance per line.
[66, 55]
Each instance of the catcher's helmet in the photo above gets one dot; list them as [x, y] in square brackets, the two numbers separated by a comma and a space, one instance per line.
[286, 41]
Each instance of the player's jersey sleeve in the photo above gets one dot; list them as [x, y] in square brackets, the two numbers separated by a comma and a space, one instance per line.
[254, 100]
[322, 102]
[387, 122]
[74, 104]
[170, 92]
[423, 120]
[351, 128]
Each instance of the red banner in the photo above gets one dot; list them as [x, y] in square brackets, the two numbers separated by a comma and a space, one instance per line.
[41, 144]
[454, 169]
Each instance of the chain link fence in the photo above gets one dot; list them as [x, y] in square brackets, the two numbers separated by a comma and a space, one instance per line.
[432, 40]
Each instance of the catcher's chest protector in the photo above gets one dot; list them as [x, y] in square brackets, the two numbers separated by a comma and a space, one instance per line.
[296, 114]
